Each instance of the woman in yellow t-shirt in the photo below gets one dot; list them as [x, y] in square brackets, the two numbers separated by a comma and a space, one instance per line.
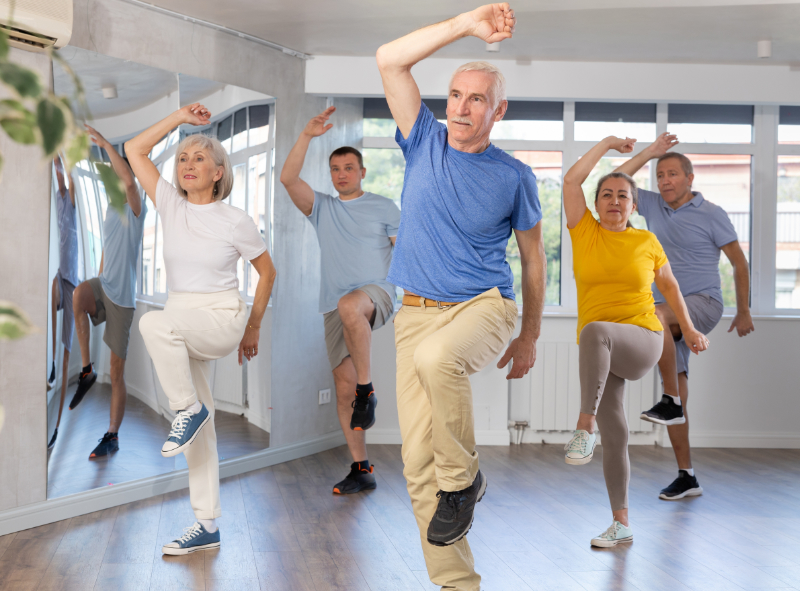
[619, 335]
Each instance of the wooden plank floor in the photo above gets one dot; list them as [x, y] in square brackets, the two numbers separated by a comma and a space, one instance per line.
[282, 530]
[141, 436]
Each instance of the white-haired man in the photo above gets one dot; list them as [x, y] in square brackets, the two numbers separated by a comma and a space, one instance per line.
[461, 199]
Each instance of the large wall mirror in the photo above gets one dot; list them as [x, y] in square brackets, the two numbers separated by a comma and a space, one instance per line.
[125, 98]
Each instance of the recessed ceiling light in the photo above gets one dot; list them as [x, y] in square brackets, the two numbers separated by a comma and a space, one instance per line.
[110, 92]
[765, 48]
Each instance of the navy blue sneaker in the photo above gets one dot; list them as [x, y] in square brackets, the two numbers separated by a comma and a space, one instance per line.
[185, 428]
[86, 381]
[193, 539]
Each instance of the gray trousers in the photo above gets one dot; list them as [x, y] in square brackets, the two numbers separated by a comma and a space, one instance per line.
[611, 353]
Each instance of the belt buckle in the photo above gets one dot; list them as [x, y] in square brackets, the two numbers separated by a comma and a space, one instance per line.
[439, 305]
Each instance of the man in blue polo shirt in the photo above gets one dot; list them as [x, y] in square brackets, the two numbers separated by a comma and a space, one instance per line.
[461, 199]
[692, 231]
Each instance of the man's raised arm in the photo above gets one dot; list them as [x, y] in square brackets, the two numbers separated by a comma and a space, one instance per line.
[658, 148]
[492, 23]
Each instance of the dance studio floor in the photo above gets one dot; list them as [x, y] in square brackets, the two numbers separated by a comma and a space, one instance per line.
[282, 530]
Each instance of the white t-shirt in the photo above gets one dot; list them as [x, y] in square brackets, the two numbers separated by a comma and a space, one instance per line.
[203, 243]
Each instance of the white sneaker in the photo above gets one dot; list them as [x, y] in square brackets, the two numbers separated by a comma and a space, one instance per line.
[580, 448]
[615, 534]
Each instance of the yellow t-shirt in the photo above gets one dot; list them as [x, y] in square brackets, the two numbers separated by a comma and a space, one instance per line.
[614, 272]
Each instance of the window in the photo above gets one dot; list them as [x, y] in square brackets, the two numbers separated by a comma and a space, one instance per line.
[531, 120]
[259, 124]
[385, 170]
[547, 168]
[711, 124]
[787, 256]
[147, 284]
[595, 121]
[724, 179]
[789, 125]
[239, 130]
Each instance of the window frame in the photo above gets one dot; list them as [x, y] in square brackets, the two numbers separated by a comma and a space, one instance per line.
[763, 150]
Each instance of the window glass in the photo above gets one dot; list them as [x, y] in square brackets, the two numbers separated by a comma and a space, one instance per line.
[256, 205]
[159, 148]
[787, 255]
[528, 130]
[224, 133]
[148, 252]
[239, 130]
[259, 124]
[547, 168]
[95, 234]
[379, 127]
[712, 133]
[385, 170]
[724, 179]
[237, 198]
[594, 131]
[789, 134]
[173, 138]
[160, 281]
[610, 164]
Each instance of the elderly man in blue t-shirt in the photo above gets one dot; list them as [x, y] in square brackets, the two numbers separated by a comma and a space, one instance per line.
[693, 231]
[461, 199]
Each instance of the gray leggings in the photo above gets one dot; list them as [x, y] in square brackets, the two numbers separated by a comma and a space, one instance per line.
[611, 353]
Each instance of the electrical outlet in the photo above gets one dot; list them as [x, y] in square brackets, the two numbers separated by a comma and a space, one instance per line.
[325, 396]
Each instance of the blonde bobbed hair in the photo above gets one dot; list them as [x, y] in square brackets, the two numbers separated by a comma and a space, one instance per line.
[223, 187]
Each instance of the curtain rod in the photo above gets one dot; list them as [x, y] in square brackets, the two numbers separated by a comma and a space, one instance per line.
[229, 31]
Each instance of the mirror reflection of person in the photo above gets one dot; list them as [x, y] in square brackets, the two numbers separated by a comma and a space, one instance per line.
[694, 232]
[619, 334]
[356, 233]
[65, 280]
[111, 297]
[205, 317]
[462, 198]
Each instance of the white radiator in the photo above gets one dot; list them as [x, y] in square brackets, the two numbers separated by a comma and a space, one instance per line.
[549, 396]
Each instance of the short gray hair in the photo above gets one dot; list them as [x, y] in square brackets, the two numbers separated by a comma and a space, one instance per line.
[686, 164]
[224, 186]
[498, 88]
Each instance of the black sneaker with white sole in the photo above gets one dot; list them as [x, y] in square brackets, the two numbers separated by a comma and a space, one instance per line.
[455, 513]
[665, 412]
[683, 486]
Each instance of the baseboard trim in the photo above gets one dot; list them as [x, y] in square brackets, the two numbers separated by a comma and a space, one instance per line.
[563, 437]
[482, 437]
[776, 440]
[53, 510]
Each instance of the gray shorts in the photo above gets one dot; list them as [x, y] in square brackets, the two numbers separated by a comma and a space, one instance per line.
[117, 318]
[334, 331]
[65, 289]
[705, 313]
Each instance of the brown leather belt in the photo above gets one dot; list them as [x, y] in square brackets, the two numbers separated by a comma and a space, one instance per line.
[419, 301]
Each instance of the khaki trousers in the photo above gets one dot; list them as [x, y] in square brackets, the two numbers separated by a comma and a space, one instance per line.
[195, 328]
[437, 351]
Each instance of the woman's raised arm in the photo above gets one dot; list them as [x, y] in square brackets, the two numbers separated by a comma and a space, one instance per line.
[138, 148]
[574, 199]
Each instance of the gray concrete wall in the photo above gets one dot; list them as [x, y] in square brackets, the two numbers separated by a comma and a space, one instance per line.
[24, 247]
[299, 363]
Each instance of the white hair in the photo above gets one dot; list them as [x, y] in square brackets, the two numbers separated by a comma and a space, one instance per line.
[498, 88]
[223, 187]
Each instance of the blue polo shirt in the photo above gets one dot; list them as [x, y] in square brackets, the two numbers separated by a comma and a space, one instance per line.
[458, 213]
[692, 237]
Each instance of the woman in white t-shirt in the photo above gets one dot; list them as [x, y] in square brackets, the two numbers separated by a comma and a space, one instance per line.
[204, 318]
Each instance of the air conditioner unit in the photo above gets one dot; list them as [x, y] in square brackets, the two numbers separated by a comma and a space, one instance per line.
[36, 25]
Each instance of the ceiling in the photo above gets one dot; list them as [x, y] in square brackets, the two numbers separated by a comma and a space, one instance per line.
[137, 85]
[698, 31]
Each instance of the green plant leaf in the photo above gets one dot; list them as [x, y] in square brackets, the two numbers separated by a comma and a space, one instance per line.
[11, 105]
[52, 124]
[20, 129]
[78, 149]
[14, 323]
[24, 81]
[114, 188]
[3, 45]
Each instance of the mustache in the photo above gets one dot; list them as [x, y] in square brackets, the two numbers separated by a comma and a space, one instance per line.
[457, 119]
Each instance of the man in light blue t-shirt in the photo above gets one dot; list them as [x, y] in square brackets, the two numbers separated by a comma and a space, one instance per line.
[111, 297]
[356, 233]
[693, 232]
[462, 198]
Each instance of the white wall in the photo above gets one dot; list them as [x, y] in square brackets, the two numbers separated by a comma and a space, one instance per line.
[574, 80]
[743, 391]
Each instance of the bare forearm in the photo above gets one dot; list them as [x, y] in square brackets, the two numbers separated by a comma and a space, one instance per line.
[295, 160]
[143, 143]
[581, 170]
[403, 53]
[741, 280]
[261, 299]
[120, 167]
[632, 166]
[672, 294]
[534, 285]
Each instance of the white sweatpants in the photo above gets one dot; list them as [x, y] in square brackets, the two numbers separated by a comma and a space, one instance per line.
[195, 328]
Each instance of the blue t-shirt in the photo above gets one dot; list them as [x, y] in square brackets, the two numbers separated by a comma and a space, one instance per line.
[122, 241]
[355, 246]
[692, 237]
[458, 213]
[68, 237]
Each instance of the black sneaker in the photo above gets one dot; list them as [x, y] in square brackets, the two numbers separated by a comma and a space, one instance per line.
[665, 412]
[683, 486]
[85, 382]
[455, 512]
[51, 381]
[53, 439]
[108, 445]
[358, 480]
[363, 411]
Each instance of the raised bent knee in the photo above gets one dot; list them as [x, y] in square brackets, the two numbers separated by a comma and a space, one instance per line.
[150, 325]
[430, 358]
[594, 335]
